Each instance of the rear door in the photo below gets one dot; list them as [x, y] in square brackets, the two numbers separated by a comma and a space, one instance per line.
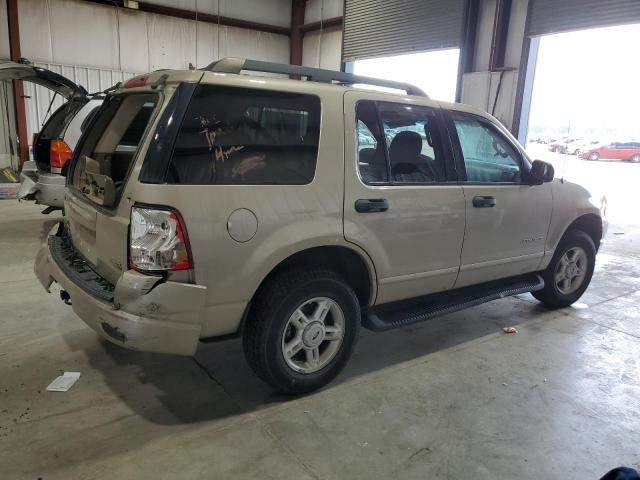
[56, 124]
[506, 219]
[51, 80]
[401, 203]
[98, 221]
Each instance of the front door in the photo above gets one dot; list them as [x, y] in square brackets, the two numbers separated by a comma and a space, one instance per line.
[402, 205]
[507, 219]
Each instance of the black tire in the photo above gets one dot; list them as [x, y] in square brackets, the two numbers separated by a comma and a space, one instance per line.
[550, 295]
[266, 324]
[594, 157]
[635, 159]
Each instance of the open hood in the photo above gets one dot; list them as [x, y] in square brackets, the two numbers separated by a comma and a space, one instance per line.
[23, 70]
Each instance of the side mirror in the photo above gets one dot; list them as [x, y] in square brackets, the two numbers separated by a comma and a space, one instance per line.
[540, 172]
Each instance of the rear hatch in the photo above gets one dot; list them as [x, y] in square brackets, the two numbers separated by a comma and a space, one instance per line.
[54, 127]
[102, 163]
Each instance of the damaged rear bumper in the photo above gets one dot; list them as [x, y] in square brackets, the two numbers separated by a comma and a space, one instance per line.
[140, 312]
[44, 188]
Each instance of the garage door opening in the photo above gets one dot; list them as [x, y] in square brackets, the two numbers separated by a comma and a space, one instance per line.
[435, 72]
[584, 107]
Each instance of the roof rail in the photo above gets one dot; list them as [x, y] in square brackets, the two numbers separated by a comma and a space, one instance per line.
[236, 65]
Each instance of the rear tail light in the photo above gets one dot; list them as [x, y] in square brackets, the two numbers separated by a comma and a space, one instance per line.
[158, 240]
[59, 153]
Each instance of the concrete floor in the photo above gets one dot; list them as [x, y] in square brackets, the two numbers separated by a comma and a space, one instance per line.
[451, 398]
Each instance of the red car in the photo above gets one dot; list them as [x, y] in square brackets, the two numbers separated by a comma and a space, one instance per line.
[616, 151]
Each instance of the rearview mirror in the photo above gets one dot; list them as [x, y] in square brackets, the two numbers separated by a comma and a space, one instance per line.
[540, 172]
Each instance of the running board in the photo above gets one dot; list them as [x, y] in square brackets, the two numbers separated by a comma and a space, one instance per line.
[407, 312]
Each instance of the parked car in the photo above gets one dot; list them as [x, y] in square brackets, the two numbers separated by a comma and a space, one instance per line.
[629, 151]
[579, 146]
[207, 204]
[562, 146]
[42, 178]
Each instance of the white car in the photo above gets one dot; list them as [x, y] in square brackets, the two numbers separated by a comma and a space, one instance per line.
[579, 146]
[42, 179]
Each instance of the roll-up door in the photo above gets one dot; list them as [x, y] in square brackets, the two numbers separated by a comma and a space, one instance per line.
[378, 28]
[551, 16]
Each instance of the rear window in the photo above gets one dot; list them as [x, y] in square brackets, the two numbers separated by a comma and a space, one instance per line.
[235, 136]
[113, 136]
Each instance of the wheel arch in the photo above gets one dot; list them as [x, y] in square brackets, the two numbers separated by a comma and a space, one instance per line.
[355, 267]
[589, 223]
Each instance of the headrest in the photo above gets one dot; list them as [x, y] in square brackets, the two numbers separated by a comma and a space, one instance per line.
[406, 144]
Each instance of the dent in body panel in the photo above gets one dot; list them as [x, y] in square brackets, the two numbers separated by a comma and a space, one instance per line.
[151, 297]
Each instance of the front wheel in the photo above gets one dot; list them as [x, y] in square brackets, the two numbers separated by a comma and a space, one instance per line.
[594, 157]
[302, 330]
[569, 272]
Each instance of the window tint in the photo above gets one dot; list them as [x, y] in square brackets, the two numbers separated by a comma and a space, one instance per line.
[234, 136]
[489, 157]
[398, 142]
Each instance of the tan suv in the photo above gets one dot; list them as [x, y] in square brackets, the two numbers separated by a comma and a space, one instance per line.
[211, 203]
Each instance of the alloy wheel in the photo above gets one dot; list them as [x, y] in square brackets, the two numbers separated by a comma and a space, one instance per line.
[571, 270]
[313, 335]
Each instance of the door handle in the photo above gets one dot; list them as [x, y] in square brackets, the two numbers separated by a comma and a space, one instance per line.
[367, 205]
[484, 202]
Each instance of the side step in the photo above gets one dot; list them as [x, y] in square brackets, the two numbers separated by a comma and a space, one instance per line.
[407, 312]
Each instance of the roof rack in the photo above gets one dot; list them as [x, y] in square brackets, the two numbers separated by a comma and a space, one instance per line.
[236, 65]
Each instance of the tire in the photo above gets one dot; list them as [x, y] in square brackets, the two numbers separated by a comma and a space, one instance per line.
[287, 310]
[557, 293]
[594, 157]
[635, 159]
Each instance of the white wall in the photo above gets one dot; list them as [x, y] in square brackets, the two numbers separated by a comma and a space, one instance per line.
[271, 12]
[329, 9]
[322, 50]
[4, 31]
[145, 41]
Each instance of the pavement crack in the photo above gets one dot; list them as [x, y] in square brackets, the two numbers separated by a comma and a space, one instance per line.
[287, 449]
[215, 380]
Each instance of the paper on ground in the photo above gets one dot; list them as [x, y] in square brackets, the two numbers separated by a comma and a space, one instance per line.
[64, 382]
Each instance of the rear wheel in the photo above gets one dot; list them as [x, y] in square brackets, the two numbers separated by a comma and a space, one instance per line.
[302, 330]
[569, 272]
[635, 159]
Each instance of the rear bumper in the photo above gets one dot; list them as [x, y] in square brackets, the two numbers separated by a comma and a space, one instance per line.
[146, 313]
[44, 188]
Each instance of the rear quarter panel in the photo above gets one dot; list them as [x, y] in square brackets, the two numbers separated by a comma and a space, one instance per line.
[290, 218]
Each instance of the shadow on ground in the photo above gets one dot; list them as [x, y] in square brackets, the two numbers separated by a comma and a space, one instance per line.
[218, 383]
